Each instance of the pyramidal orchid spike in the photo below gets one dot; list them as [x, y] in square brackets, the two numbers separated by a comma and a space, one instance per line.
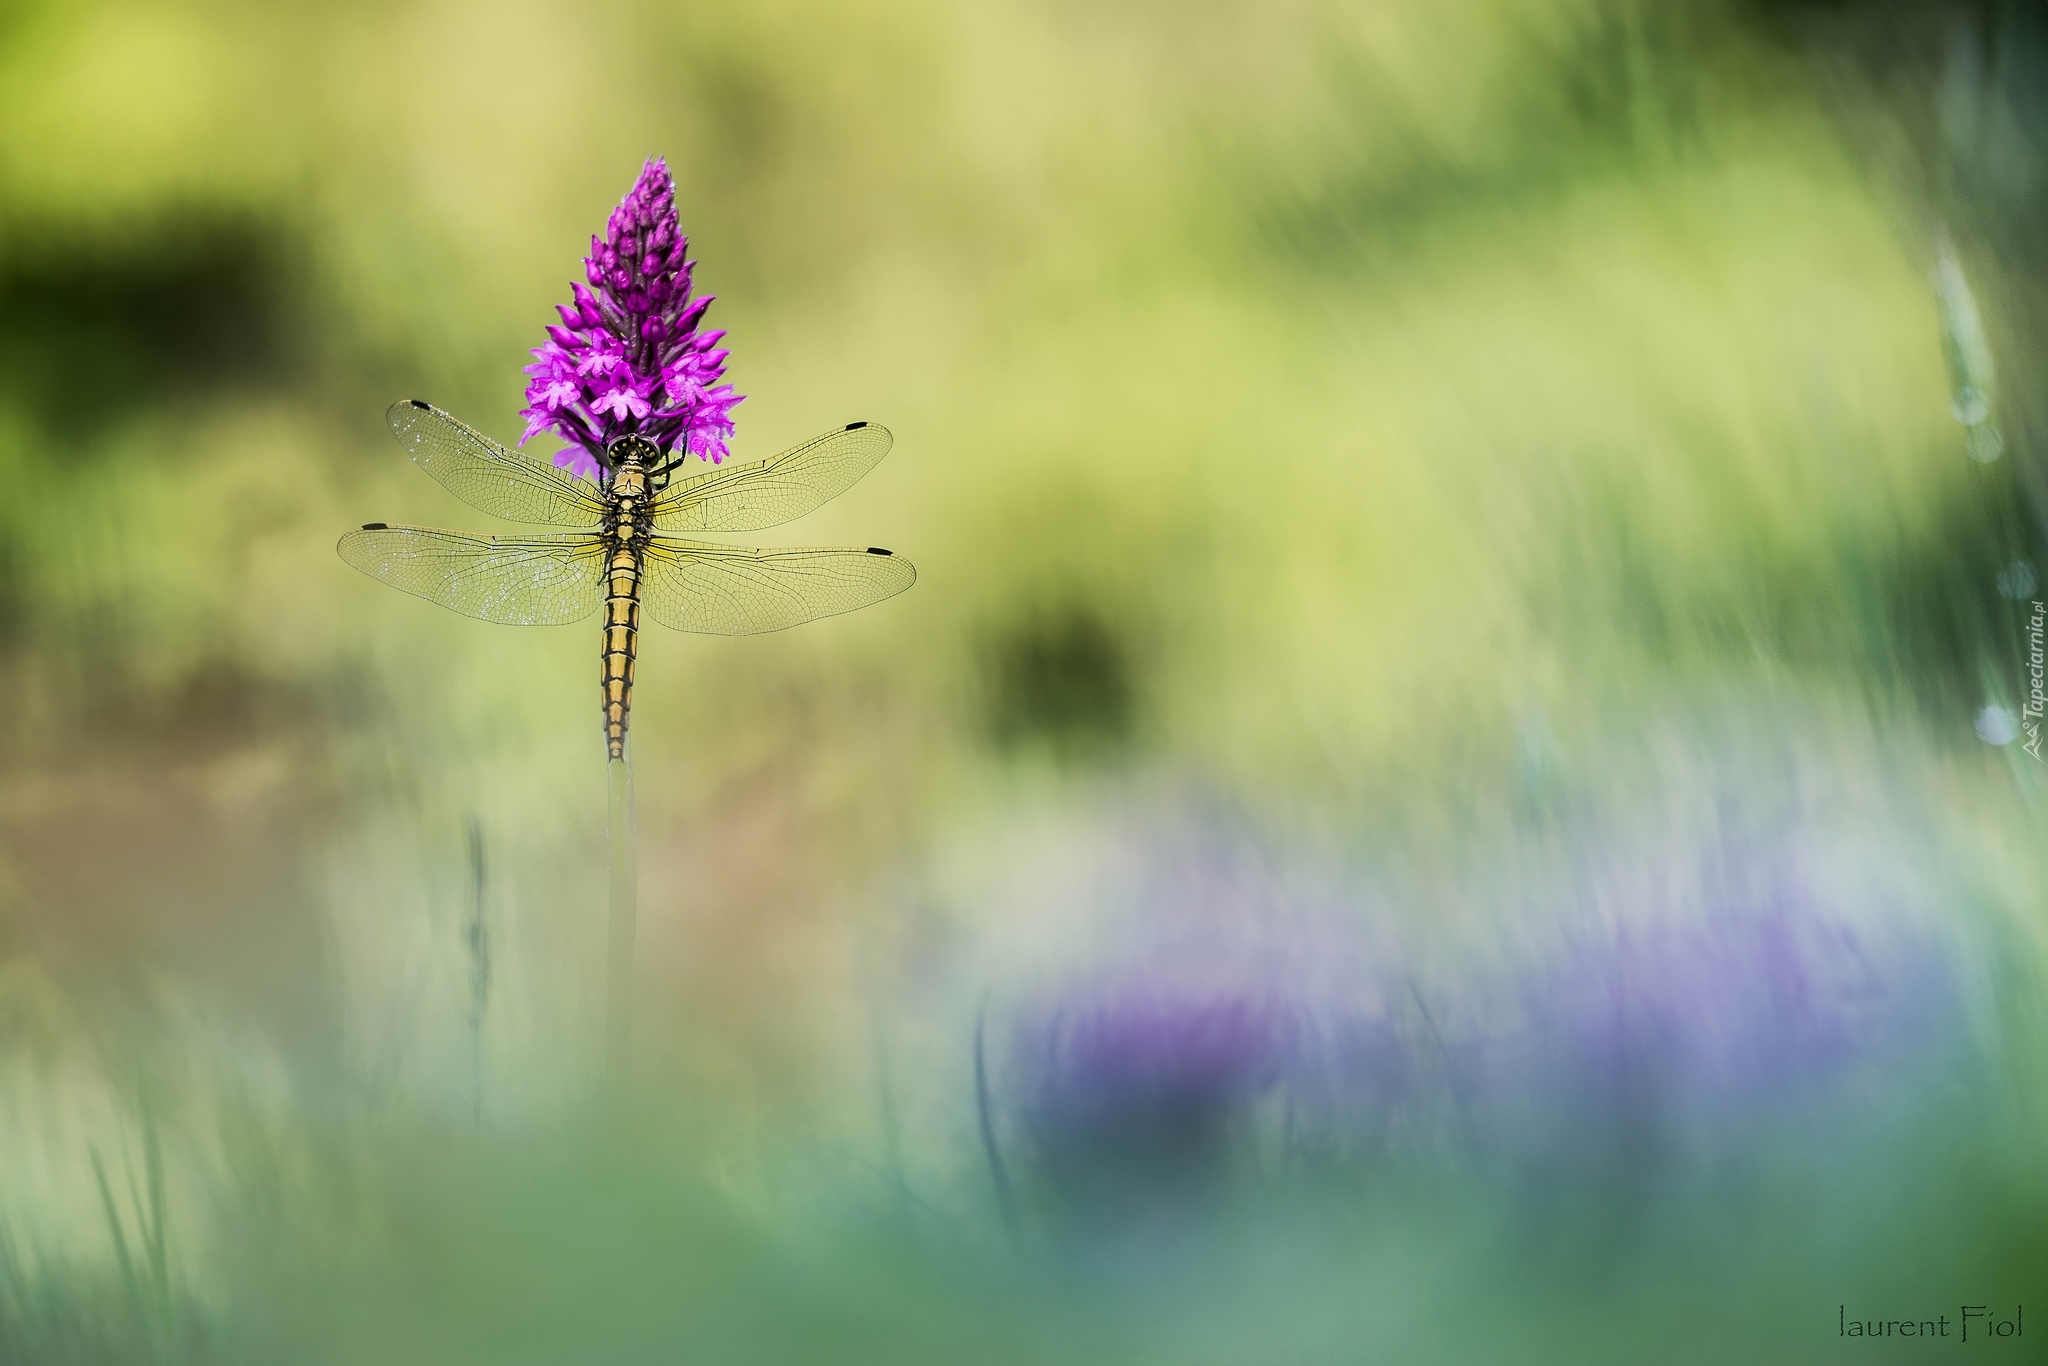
[628, 336]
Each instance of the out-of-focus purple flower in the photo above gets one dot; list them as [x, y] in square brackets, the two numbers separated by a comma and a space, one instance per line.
[627, 357]
[1220, 1007]
[1653, 1009]
[1139, 1081]
[1712, 1003]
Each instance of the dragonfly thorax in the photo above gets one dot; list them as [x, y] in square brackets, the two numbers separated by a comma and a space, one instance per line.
[628, 486]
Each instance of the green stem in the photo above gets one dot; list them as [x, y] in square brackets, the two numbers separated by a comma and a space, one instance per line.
[624, 899]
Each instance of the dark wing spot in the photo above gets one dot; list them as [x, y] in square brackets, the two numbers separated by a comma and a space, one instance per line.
[376, 526]
[423, 405]
[855, 426]
[877, 550]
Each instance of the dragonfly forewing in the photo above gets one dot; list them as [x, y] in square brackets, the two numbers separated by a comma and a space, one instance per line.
[729, 590]
[515, 580]
[486, 475]
[779, 489]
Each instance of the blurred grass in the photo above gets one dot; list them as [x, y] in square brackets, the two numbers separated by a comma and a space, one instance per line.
[1319, 403]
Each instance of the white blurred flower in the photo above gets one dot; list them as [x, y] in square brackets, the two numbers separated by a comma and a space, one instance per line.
[2017, 581]
[1996, 726]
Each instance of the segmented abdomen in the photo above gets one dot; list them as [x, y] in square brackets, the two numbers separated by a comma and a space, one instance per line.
[621, 634]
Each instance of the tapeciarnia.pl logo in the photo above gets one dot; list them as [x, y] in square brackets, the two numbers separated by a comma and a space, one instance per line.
[2037, 668]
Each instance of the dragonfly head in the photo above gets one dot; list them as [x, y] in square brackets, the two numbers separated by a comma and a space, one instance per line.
[637, 449]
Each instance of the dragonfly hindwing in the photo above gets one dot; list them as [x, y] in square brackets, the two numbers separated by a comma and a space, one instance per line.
[733, 591]
[516, 580]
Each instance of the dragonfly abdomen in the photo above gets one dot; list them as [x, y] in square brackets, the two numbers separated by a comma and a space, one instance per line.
[628, 534]
[621, 637]
[627, 521]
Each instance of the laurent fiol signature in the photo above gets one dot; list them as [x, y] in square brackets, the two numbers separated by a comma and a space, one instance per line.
[1989, 1322]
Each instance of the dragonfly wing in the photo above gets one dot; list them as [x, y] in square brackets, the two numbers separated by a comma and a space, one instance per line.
[517, 580]
[485, 475]
[781, 488]
[732, 591]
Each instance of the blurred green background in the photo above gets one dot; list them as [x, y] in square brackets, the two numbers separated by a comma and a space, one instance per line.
[1444, 435]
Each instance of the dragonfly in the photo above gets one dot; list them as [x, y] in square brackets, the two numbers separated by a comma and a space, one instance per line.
[619, 558]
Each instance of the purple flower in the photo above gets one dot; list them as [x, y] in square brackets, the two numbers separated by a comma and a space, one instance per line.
[1142, 1079]
[1656, 1009]
[1139, 1073]
[1741, 993]
[627, 356]
[1196, 1004]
